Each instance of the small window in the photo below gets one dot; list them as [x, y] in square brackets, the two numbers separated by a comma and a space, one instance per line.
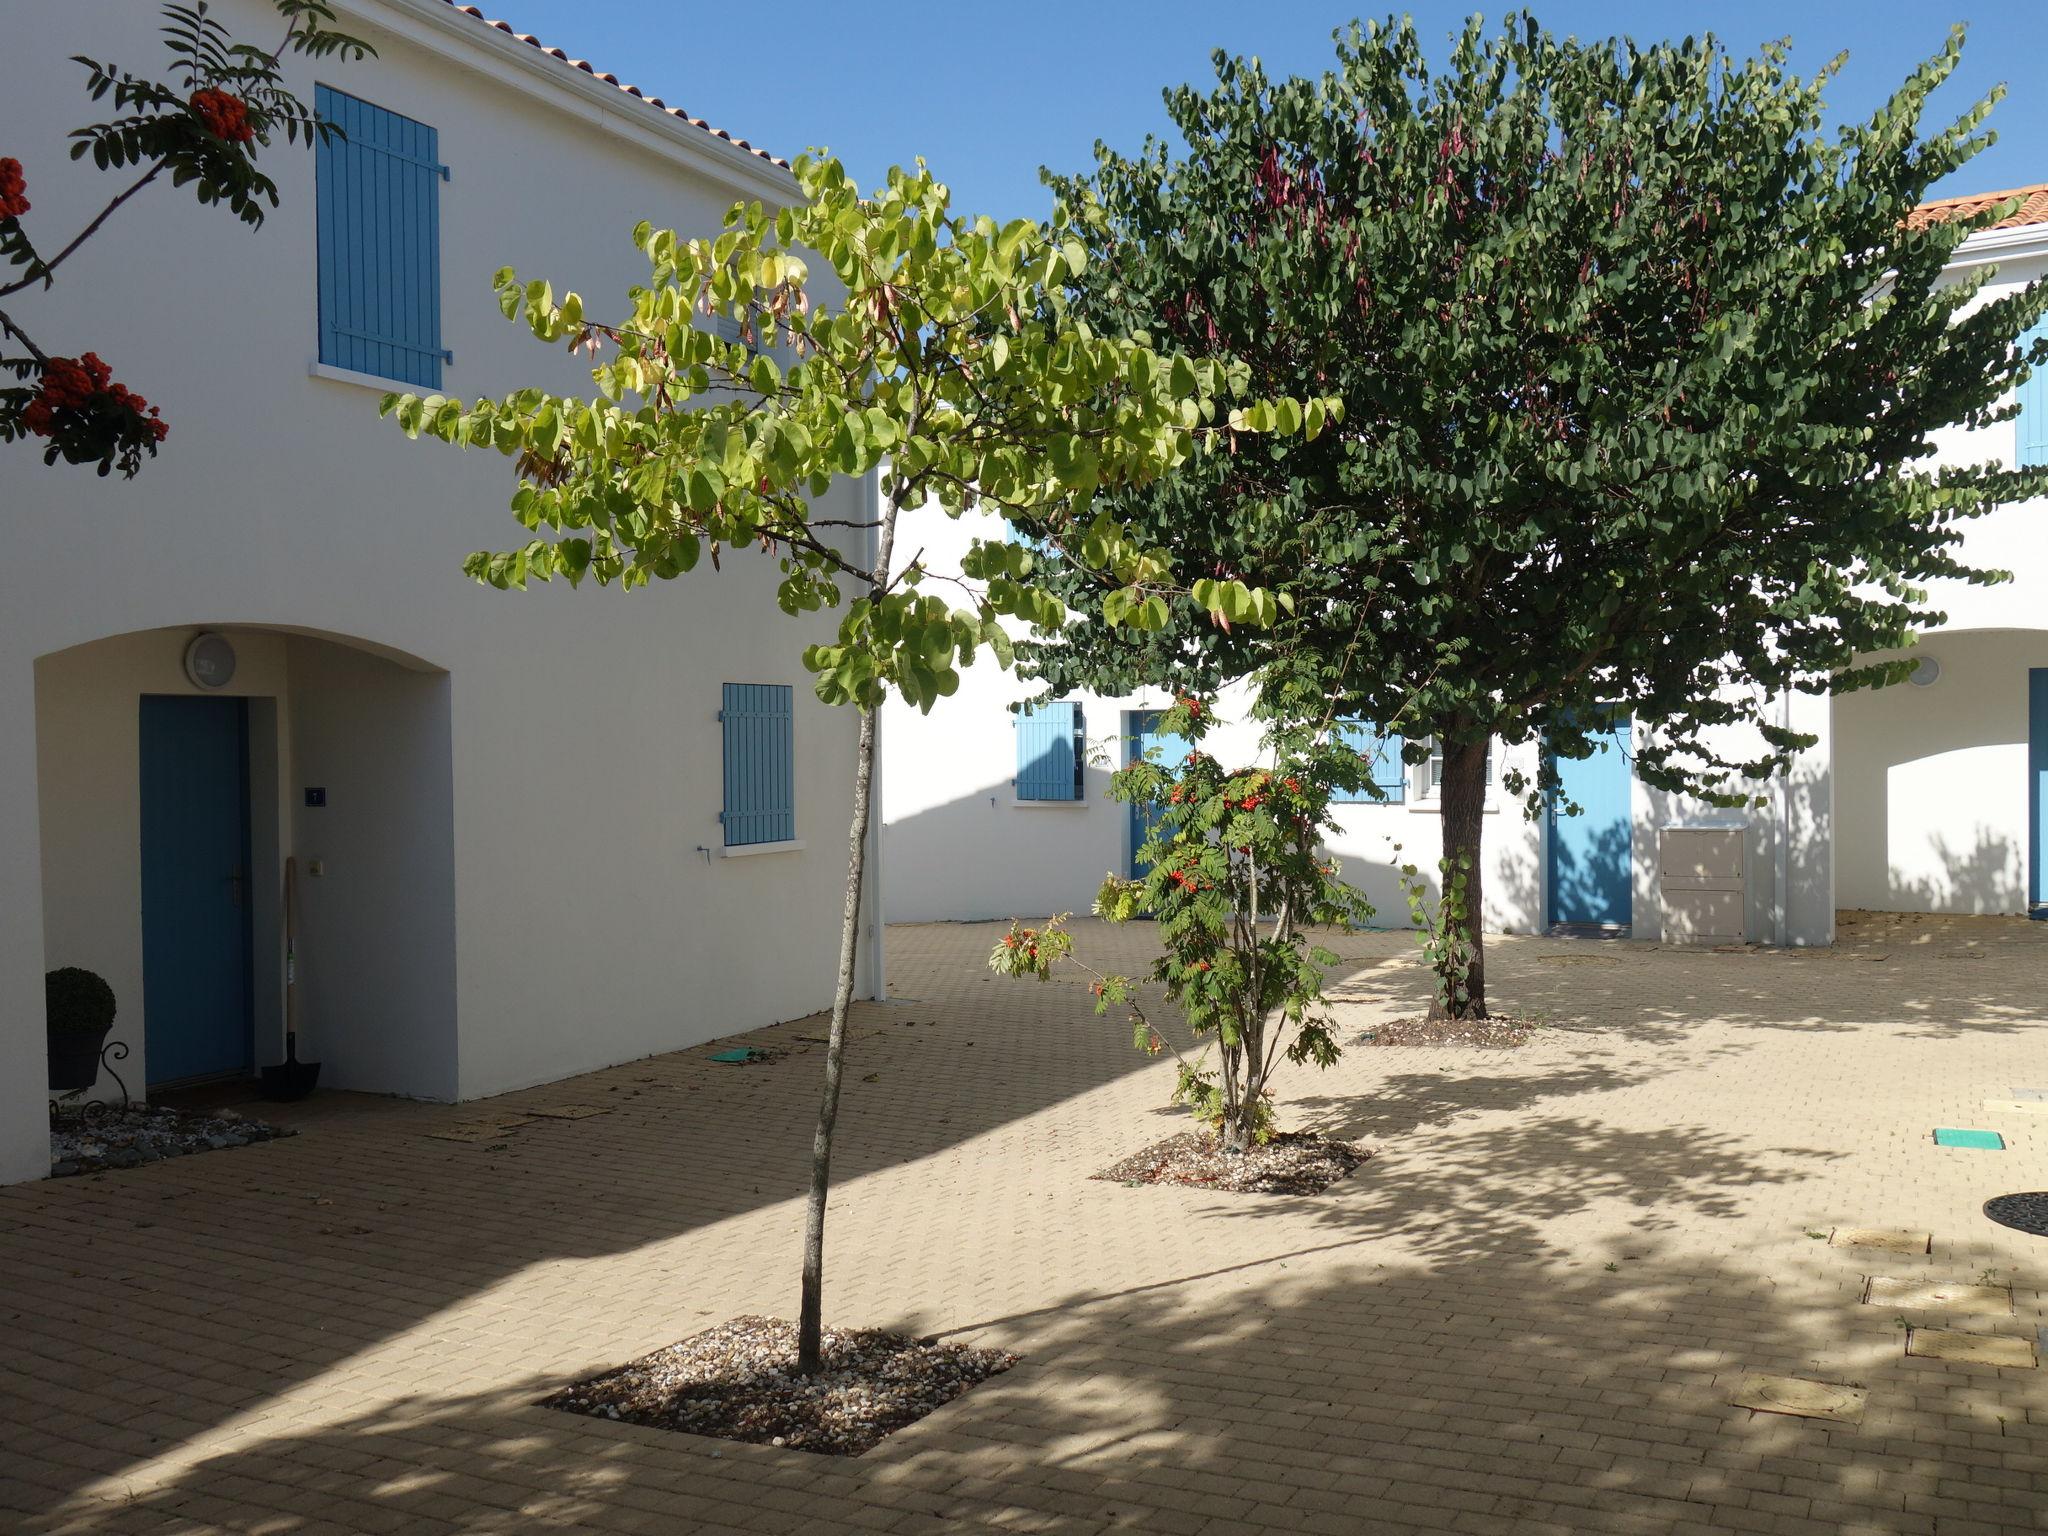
[1382, 750]
[1433, 770]
[2033, 417]
[379, 218]
[1049, 752]
[760, 765]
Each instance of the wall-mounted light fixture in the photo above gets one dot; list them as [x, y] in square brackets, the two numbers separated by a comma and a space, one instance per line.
[210, 660]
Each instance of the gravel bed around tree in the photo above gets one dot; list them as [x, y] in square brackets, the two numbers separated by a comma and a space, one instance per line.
[128, 1138]
[1502, 1032]
[1292, 1163]
[739, 1381]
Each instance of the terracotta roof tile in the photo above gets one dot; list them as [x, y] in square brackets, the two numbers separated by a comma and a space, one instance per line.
[631, 90]
[2033, 208]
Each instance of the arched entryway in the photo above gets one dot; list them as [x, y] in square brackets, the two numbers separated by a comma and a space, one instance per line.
[172, 788]
[1942, 782]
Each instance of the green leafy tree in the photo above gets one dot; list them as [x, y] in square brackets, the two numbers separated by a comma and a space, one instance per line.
[203, 128]
[1641, 368]
[1240, 884]
[948, 365]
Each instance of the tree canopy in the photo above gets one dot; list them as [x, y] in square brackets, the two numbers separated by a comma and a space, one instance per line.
[1641, 367]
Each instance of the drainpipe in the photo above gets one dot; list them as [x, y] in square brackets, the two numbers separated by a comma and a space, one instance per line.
[1781, 919]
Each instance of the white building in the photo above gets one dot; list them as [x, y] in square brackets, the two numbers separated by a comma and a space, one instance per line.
[1930, 798]
[507, 810]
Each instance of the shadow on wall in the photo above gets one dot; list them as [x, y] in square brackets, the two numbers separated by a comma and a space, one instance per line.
[982, 856]
[1591, 875]
[1932, 782]
[1813, 862]
[1964, 880]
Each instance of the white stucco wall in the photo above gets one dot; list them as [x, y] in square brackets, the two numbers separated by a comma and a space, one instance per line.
[1933, 781]
[960, 846]
[2014, 538]
[376, 912]
[583, 744]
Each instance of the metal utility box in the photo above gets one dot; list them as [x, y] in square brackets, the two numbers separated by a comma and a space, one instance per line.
[1702, 884]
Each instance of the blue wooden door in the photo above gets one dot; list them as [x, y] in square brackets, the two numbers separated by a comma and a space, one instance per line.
[1590, 852]
[195, 887]
[2037, 792]
[1141, 735]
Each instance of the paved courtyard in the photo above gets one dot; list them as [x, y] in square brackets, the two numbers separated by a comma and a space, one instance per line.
[1527, 1313]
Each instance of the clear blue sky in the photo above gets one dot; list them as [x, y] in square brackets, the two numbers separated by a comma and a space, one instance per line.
[989, 92]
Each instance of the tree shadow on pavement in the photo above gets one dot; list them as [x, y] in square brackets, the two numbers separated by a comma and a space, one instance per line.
[1313, 1389]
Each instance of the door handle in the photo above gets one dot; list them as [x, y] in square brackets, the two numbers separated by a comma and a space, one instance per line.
[235, 886]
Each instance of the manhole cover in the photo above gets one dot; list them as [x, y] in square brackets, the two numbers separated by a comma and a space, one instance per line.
[1805, 1396]
[2023, 1213]
[1800, 1398]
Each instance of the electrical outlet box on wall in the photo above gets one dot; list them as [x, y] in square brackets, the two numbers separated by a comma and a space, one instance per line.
[1702, 884]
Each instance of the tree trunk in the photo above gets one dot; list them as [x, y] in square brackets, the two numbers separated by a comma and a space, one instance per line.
[1463, 802]
[811, 1319]
[810, 1325]
[1236, 1130]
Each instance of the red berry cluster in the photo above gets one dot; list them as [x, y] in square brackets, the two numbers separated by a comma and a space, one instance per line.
[78, 384]
[226, 117]
[88, 417]
[12, 204]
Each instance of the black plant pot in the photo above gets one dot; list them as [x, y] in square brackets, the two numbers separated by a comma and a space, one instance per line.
[75, 1057]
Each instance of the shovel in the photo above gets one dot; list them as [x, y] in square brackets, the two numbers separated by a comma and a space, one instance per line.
[291, 1078]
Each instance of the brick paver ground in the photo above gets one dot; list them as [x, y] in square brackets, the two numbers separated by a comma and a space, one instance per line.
[1525, 1314]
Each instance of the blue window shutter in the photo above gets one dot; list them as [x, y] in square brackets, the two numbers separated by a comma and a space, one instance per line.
[1048, 766]
[1384, 749]
[760, 764]
[378, 206]
[2033, 422]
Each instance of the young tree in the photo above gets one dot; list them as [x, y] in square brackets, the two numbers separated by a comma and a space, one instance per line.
[1641, 368]
[203, 128]
[950, 367]
[1239, 883]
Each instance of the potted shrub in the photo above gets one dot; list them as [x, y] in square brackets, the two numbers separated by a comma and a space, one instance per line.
[78, 1010]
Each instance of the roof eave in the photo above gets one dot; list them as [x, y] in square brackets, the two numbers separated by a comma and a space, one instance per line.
[1989, 245]
[454, 35]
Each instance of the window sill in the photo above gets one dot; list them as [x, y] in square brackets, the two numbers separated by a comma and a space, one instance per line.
[1047, 805]
[1433, 805]
[750, 850]
[376, 381]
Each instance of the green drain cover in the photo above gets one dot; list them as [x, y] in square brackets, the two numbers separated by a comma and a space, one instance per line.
[1988, 1141]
